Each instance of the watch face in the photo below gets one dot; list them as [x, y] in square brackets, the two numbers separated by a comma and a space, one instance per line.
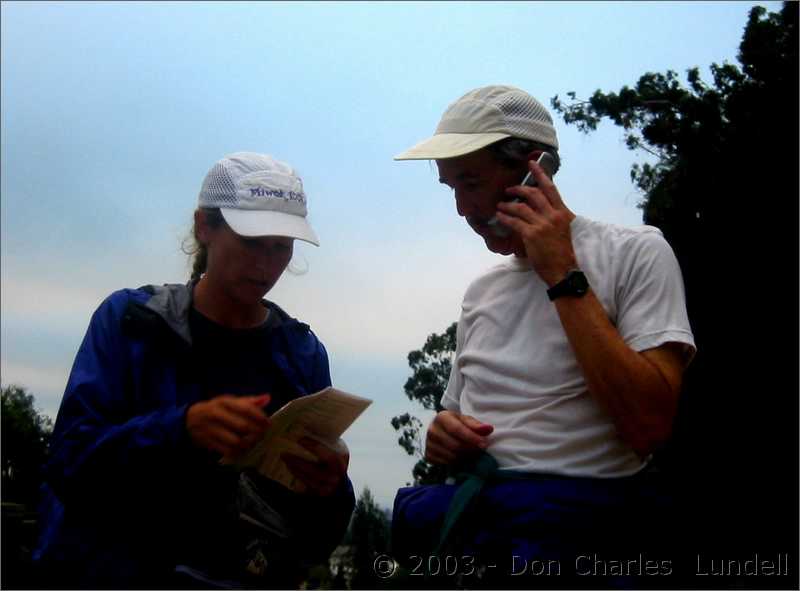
[577, 283]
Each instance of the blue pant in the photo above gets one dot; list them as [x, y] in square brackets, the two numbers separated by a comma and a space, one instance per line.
[542, 531]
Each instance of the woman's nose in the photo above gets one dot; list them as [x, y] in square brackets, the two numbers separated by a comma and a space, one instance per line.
[263, 258]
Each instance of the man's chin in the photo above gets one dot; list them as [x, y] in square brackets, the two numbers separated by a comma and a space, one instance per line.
[497, 245]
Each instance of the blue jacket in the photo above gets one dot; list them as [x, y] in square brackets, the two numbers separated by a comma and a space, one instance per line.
[127, 496]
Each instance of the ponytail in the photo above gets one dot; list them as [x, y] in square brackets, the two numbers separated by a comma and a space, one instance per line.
[196, 249]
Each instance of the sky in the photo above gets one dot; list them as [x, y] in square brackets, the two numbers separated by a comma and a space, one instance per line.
[112, 113]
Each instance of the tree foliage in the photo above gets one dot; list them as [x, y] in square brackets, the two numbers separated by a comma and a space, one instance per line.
[25, 438]
[430, 368]
[700, 132]
[367, 538]
[721, 183]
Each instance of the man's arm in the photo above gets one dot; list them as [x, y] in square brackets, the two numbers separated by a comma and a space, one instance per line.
[452, 436]
[639, 389]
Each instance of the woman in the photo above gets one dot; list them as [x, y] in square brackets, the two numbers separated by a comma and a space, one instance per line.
[169, 381]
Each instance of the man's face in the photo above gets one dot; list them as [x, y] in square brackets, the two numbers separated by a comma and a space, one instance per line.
[478, 182]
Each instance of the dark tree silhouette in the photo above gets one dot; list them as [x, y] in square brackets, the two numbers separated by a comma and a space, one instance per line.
[723, 187]
[25, 437]
[367, 538]
[430, 368]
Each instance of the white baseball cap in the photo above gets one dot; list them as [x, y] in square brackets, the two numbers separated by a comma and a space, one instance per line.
[484, 116]
[258, 196]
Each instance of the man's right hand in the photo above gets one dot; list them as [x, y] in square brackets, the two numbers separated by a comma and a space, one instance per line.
[453, 437]
[228, 424]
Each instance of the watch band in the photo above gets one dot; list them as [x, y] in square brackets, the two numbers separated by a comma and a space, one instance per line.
[574, 284]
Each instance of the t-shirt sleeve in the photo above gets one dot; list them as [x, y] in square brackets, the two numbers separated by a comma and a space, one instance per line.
[651, 297]
[452, 394]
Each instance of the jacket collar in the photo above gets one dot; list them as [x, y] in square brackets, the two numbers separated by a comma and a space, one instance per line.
[172, 302]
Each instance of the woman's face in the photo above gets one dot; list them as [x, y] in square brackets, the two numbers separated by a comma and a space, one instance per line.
[245, 268]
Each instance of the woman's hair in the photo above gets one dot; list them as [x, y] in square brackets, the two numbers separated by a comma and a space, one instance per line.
[196, 249]
[514, 151]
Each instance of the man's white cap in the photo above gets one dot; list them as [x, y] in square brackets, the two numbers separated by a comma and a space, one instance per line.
[484, 116]
[258, 196]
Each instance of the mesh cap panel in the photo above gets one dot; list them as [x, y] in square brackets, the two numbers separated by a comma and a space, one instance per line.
[218, 188]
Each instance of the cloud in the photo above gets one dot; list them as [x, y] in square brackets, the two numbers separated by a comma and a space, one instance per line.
[384, 302]
[63, 308]
[45, 383]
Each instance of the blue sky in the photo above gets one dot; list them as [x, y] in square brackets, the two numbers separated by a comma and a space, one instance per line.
[112, 113]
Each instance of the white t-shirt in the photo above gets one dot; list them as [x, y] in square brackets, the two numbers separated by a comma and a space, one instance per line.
[515, 369]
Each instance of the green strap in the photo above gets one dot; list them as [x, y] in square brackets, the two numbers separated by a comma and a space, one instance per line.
[474, 476]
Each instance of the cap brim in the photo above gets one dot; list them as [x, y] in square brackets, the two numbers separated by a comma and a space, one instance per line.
[450, 145]
[256, 222]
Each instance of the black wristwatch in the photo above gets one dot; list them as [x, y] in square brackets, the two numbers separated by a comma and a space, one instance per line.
[573, 284]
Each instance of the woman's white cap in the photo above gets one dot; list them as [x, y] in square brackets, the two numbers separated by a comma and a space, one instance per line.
[258, 196]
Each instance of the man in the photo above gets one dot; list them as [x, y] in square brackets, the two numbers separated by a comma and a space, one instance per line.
[570, 354]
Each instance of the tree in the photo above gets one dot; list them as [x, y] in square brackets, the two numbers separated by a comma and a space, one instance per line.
[431, 371]
[367, 538]
[25, 439]
[723, 188]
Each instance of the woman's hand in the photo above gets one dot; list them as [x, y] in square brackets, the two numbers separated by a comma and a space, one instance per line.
[228, 424]
[322, 477]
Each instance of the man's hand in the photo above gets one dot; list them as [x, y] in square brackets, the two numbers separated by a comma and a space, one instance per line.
[543, 224]
[453, 436]
[324, 476]
[228, 424]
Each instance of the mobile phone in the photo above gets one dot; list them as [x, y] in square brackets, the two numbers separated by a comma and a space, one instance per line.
[548, 164]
